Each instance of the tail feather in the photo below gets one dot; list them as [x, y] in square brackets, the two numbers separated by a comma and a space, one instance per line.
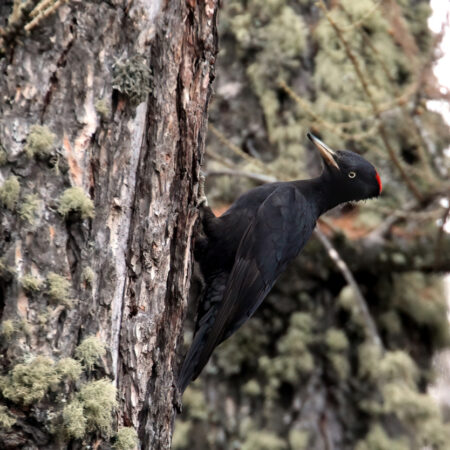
[190, 370]
[207, 311]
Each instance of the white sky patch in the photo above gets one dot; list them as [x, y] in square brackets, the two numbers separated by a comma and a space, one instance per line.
[440, 21]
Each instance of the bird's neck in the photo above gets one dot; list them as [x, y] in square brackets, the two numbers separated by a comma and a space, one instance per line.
[319, 192]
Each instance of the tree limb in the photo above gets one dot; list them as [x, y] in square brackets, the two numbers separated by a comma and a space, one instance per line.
[360, 300]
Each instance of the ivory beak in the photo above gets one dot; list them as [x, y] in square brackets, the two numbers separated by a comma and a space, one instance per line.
[326, 152]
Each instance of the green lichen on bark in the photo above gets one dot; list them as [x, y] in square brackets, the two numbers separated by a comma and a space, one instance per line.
[69, 368]
[74, 420]
[252, 388]
[126, 439]
[75, 200]
[40, 141]
[103, 109]
[99, 402]
[58, 289]
[9, 192]
[271, 38]
[12, 329]
[90, 410]
[25, 327]
[29, 207]
[7, 420]
[3, 156]
[30, 283]
[248, 342]
[88, 276]
[89, 351]
[132, 77]
[7, 272]
[7, 329]
[28, 383]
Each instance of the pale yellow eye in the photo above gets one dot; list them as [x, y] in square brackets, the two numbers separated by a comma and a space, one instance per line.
[352, 174]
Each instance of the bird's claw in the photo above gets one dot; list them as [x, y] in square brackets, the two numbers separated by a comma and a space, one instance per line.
[177, 399]
[201, 197]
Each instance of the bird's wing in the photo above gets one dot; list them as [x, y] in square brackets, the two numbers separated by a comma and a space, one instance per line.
[281, 227]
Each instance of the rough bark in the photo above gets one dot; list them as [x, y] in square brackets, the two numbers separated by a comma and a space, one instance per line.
[139, 165]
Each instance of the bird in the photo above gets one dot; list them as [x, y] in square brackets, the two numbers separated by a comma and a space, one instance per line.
[244, 251]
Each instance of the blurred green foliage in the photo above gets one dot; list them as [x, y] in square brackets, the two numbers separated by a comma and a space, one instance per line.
[303, 370]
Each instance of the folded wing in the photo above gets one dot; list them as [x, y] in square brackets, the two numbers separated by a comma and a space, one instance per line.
[280, 229]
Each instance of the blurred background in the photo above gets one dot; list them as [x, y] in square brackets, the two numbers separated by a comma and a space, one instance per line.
[348, 350]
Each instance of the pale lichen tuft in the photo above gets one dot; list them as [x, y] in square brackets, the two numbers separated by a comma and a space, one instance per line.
[28, 383]
[88, 276]
[40, 141]
[132, 78]
[9, 192]
[59, 289]
[99, 401]
[28, 208]
[30, 283]
[74, 421]
[7, 329]
[126, 439]
[75, 200]
[89, 351]
[69, 368]
[3, 156]
[6, 419]
[103, 109]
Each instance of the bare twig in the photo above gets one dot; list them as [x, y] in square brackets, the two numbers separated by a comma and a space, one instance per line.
[36, 10]
[16, 21]
[44, 11]
[363, 18]
[381, 129]
[381, 230]
[402, 98]
[412, 212]
[346, 273]
[221, 159]
[239, 173]
[336, 128]
[420, 142]
[235, 149]
[41, 6]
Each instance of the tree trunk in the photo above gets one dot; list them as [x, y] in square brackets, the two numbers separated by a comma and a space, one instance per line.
[80, 108]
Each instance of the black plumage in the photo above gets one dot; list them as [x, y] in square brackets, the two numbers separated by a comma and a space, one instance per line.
[249, 246]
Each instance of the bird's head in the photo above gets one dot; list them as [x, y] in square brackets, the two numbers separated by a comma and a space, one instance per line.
[352, 177]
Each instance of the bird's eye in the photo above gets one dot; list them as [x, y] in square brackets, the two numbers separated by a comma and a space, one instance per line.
[352, 174]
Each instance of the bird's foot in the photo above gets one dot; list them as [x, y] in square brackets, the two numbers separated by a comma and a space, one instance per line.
[177, 399]
[201, 198]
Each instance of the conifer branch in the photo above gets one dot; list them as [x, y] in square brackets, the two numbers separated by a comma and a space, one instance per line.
[393, 85]
[347, 274]
[381, 129]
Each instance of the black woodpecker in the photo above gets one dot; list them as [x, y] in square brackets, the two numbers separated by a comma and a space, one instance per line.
[250, 245]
